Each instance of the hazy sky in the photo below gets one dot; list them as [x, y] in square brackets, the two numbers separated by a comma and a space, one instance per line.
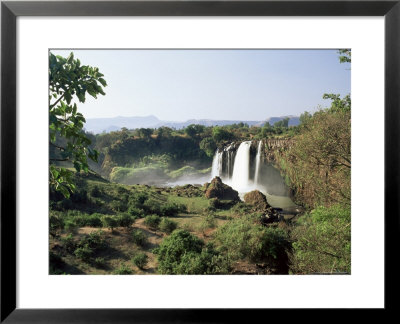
[178, 85]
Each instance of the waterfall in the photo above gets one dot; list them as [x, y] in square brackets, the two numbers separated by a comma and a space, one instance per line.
[229, 162]
[240, 175]
[217, 164]
[258, 162]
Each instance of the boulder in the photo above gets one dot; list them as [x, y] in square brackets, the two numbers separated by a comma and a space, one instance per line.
[218, 189]
[257, 199]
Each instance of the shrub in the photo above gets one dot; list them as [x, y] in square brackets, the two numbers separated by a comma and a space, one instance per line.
[125, 220]
[242, 239]
[138, 237]
[152, 221]
[137, 199]
[109, 222]
[167, 225]
[84, 253]
[209, 261]
[99, 262]
[70, 224]
[94, 240]
[172, 209]
[118, 206]
[93, 220]
[69, 243]
[136, 212]
[140, 260]
[174, 247]
[152, 206]
[322, 241]
[123, 270]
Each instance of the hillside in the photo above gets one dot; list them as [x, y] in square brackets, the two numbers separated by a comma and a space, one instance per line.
[99, 125]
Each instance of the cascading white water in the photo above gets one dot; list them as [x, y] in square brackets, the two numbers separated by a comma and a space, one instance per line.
[258, 162]
[216, 165]
[240, 175]
[228, 161]
[239, 179]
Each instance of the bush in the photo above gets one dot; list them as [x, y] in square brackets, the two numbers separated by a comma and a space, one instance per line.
[152, 221]
[152, 206]
[70, 224]
[125, 220]
[94, 240]
[123, 270]
[138, 237]
[136, 212]
[118, 206]
[167, 225]
[172, 209]
[322, 241]
[140, 260]
[99, 262]
[109, 222]
[209, 261]
[137, 199]
[173, 248]
[242, 239]
[93, 220]
[69, 243]
[184, 253]
[84, 253]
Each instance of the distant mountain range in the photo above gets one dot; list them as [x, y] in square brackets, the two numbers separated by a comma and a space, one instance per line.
[99, 125]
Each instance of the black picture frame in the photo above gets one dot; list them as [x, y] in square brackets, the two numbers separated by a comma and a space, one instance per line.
[10, 10]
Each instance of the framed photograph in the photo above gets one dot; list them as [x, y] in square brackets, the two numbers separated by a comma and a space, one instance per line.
[198, 160]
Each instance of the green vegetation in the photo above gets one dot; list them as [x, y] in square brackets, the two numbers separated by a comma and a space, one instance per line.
[69, 81]
[322, 241]
[140, 260]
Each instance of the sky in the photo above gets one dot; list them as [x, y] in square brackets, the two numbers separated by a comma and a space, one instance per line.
[177, 85]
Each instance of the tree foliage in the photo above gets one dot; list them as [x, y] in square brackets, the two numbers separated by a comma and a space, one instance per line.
[345, 55]
[69, 81]
[318, 163]
[322, 241]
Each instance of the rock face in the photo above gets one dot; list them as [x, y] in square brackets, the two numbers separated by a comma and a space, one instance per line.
[260, 203]
[217, 189]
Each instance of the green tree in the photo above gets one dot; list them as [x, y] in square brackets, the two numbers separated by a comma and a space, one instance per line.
[345, 55]
[337, 103]
[305, 117]
[208, 146]
[70, 81]
[221, 134]
[145, 132]
[194, 130]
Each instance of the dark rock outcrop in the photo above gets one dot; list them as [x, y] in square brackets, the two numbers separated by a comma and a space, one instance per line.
[259, 201]
[217, 189]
